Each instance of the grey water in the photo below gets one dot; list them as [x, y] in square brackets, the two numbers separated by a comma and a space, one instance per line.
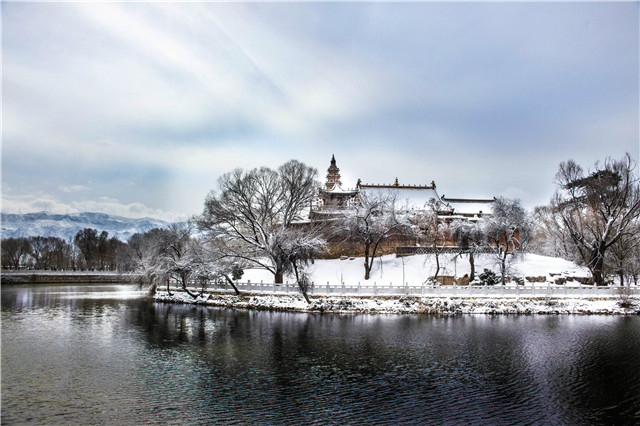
[108, 355]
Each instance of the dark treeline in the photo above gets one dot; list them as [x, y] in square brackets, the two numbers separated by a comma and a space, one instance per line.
[88, 250]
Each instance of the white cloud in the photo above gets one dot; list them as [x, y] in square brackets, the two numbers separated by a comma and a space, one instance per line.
[72, 188]
[153, 101]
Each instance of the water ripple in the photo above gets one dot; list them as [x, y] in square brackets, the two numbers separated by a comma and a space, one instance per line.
[102, 355]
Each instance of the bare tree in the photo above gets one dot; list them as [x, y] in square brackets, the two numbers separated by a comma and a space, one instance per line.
[632, 266]
[175, 255]
[620, 256]
[40, 251]
[548, 239]
[300, 247]
[87, 242]
[250, 214]
[143, 248]
[60, 253]
[508, 229]
[13, 251]
[435, 231]
[210, 262]
[593, 212]
[102, 249]
[469, 236]
[374, 219]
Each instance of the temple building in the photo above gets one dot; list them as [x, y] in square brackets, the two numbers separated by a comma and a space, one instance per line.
[333, 198]
[465, 208]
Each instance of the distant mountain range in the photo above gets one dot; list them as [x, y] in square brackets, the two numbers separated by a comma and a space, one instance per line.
[67, 225]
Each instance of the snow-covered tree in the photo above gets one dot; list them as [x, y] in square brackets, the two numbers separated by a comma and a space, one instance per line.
[508, 229]
[592, 212]
[142, 248]
[469, 237]
[210, 262]
[162, 255]
[621, 258]
[632, 266]
[545, 239]
[299, 247]
[251, 215]
[435, 231]
[174, 257]
[374, 219]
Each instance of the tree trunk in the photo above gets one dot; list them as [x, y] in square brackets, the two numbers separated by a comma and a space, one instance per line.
[367, 266]
[597, 260]
[184, 287]
[437, 254]
[230, 281]
[300, 284]
[168, 290]
[279, 275]
[503, 266]
[472, 273]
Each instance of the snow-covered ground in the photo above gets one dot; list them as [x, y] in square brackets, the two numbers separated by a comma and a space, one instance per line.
[417, 269]
[408, 304]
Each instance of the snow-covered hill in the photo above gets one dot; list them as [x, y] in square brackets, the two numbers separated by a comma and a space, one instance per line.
[67, 225]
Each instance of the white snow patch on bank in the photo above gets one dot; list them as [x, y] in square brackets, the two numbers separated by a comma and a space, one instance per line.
[417, 269]
[407, 305]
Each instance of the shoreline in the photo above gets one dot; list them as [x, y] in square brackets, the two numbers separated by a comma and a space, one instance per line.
[408, 304]
[65, 277]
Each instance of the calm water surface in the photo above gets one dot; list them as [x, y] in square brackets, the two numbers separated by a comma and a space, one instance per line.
[105, 354]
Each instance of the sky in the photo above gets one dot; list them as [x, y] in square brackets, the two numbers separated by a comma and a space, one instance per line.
[136, 109]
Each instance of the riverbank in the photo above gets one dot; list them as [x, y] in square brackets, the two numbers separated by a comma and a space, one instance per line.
[65, 277]
[410, 304]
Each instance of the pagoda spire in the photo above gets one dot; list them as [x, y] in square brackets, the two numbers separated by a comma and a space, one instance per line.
[333, 175]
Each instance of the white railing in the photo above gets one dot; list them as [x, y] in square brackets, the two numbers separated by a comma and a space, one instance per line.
[372, 288]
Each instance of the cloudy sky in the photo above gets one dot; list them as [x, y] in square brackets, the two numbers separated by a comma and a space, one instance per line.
[136, 109]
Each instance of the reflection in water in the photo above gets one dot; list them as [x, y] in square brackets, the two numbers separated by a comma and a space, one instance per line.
[116, 358]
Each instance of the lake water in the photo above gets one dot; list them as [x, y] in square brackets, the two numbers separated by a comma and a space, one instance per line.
[105, 354]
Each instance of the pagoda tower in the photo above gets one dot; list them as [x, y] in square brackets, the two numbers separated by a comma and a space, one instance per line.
[333, 175]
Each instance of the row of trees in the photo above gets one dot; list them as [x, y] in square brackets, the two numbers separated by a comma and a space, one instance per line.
[87, 250]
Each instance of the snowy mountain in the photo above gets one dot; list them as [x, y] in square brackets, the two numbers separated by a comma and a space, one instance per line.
[67, 225]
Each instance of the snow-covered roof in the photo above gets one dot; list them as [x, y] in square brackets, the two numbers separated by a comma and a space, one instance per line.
[466, 206]
[413, 197]
[337, 189]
